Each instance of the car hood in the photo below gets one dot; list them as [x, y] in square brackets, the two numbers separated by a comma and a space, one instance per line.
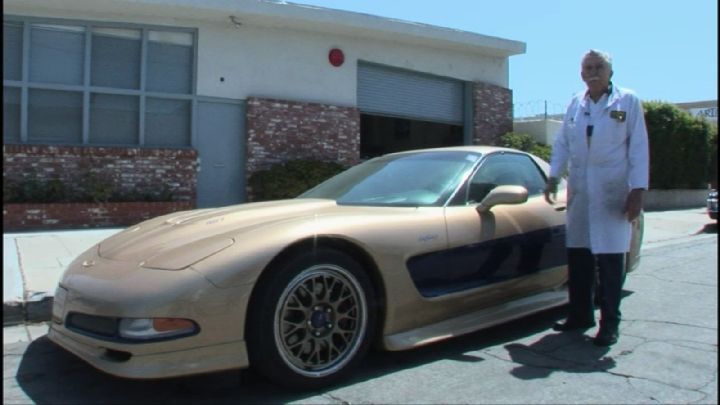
[180, 239]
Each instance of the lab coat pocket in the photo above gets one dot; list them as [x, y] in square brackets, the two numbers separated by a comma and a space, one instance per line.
[614, 192]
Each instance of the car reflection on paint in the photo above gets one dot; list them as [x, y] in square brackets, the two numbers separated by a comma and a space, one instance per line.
[402, 250]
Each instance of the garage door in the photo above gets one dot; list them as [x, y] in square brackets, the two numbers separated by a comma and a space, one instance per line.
[402, 93]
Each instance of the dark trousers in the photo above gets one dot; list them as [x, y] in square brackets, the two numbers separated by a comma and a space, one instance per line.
[582, 265]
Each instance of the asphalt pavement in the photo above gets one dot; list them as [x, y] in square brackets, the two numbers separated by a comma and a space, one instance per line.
[667, 351]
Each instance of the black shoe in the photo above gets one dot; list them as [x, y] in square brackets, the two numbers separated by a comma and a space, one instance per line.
[571, 324]
[606, 337]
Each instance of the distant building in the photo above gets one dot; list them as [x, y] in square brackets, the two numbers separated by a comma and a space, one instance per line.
[707, 110]
[542, 128]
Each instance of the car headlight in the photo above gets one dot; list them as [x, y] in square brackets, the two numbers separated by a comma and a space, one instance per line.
[155, 328]
[131, 329]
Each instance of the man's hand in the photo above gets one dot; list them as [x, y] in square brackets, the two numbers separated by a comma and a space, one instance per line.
[551, 190]
[633, 204]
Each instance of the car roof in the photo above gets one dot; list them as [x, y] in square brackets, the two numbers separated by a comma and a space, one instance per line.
[481, 149]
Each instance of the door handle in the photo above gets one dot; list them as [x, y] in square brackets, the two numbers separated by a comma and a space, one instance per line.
[560, 207]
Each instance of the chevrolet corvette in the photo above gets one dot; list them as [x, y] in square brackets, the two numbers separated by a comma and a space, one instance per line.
[397, 252]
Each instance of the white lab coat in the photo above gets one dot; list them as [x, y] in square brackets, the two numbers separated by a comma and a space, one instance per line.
[602, 173]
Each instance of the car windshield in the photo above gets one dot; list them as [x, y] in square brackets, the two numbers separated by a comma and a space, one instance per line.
[403, 180]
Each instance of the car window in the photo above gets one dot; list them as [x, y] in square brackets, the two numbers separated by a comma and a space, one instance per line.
[501, 169]
[413, 179]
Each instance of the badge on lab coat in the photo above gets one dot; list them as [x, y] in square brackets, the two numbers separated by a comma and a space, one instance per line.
[618, 115]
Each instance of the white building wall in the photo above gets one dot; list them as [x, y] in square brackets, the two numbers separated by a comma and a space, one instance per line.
[543, 131]
[270, 60]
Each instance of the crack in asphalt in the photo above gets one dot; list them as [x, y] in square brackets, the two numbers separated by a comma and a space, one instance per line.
[707, 394]
[667, 384]
[656, 277]
[337, 400]
[660, 248]
[584, 366]
[669, 323]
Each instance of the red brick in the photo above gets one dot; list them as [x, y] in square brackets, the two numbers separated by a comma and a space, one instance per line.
[25, 217]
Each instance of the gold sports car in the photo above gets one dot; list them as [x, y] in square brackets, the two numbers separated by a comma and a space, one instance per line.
[402, 250]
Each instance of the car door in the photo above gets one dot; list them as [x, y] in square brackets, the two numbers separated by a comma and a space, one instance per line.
[509, 250]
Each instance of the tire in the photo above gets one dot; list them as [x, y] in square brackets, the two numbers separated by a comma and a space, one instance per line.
[311, 320]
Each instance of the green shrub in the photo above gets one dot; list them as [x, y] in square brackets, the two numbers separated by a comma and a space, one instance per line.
[680, 147]
[713, 171]
[144, 192]
[92, 189]
[527, 143]
[32, 190]
[96, 189]
[290, 179]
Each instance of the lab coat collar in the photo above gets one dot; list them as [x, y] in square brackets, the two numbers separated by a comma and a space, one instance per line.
[612, 96]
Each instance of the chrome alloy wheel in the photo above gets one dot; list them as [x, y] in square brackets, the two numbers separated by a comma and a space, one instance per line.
[320, 320]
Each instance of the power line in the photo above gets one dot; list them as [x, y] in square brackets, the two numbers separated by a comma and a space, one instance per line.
[537, 109]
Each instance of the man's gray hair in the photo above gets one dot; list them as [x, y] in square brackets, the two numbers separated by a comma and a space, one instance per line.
[600, 54]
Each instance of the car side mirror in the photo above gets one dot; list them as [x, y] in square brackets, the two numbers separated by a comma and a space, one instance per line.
[503, 195]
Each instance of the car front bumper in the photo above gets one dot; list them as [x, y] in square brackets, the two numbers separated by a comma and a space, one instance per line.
[112, 290]
[151, 365]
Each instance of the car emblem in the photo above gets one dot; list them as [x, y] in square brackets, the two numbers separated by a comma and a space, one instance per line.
[88, 263]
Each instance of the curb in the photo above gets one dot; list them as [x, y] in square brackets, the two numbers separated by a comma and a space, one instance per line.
[16, 313]
[676, 199]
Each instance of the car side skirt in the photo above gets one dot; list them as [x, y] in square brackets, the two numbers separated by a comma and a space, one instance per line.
[475, 321]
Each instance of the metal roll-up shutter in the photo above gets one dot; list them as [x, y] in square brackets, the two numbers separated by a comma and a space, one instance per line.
[395, 92]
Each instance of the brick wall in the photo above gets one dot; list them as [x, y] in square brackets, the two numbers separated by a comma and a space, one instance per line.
[492, 115]
[281, 130]
[126, 169]
[29, 217]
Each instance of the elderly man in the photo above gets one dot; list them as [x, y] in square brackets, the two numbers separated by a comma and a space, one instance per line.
[603, 146]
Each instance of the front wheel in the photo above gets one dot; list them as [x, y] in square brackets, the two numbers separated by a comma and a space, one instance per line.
[311, 320]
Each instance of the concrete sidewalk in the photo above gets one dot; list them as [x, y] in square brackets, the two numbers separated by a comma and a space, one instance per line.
[32, 265]
[33, 262]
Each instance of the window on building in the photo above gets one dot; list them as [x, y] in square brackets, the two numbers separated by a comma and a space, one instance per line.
[57, 53]
[165, 119]
[115, 60]
[12, 50]
[97, 83]
[170, 59]
[54, 116]
[11, 115]
[114, 119]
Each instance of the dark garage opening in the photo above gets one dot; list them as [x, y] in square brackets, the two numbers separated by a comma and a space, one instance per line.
[380, 135]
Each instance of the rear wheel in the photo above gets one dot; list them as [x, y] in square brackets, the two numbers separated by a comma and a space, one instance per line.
[311, 320]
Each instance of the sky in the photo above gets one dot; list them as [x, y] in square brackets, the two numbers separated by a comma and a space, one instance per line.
[665, 50]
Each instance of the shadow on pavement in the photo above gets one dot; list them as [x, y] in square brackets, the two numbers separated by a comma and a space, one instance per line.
[709, 228]
[49, 374]
[569, 352]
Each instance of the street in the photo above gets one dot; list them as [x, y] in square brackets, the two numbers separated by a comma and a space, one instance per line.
[667, 353]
